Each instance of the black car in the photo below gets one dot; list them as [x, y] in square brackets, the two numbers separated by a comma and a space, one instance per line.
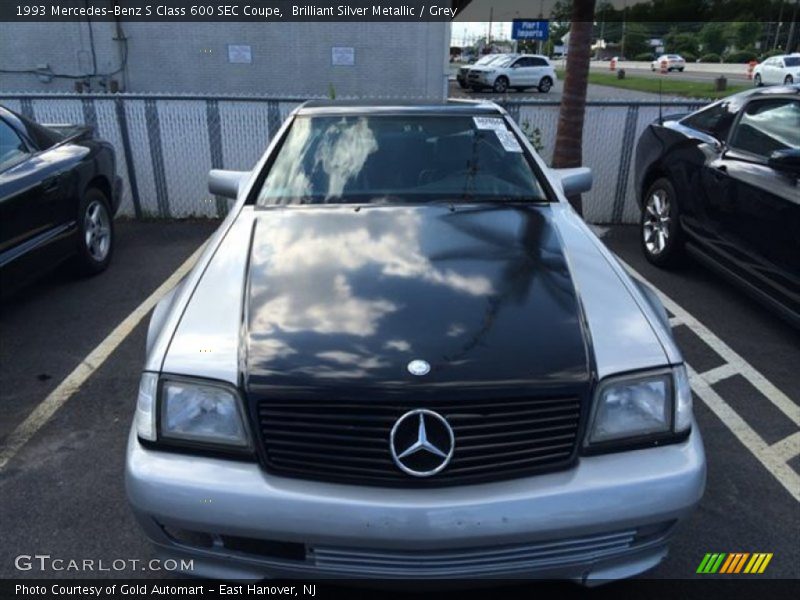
[723, 184]
[58, 197]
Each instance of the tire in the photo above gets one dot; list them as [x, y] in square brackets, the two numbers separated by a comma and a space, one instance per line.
[789, 80]
[660, 233]
[545, 85]
[96, 233]
[757, 80]
[500, 85]
[462, 85]
[681, 69]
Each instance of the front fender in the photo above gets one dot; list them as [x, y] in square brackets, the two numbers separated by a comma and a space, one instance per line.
[162, 309]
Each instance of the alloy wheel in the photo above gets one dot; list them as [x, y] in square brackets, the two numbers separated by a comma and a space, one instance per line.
[97, 230]
[656, 226]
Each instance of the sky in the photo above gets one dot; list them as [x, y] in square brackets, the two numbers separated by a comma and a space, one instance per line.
[464, 34]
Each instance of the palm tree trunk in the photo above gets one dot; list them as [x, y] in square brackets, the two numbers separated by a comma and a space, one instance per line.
[569, 137]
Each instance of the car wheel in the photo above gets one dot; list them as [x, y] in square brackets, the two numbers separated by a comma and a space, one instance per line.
[500, 85]
[96, 229]
[545, 84]
[462, 85]
[789, 80]
[661, 235]
[681, 69]
[757, 80]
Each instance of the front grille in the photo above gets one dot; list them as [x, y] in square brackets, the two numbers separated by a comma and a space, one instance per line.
[349, 440]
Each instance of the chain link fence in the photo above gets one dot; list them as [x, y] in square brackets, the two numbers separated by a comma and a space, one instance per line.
[165, 145]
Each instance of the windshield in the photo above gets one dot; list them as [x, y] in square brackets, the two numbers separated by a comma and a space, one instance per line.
[386, 159]
[792, 61]
[485, 60]
[505, 61]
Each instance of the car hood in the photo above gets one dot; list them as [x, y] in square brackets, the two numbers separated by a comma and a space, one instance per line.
[338, 299]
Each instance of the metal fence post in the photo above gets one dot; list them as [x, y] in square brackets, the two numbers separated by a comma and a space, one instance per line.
[215, 147]
[157, 155]
[26, 108]
[626, 157]
[122, 119]
[89, 112]
[273, 117]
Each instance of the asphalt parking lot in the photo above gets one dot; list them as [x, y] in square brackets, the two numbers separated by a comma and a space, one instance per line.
[62, 492]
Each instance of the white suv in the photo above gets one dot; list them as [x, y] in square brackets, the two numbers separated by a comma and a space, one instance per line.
[514, 71]
[778, 69]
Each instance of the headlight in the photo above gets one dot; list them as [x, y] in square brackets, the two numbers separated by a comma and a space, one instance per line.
[198, 411]
[641, 407]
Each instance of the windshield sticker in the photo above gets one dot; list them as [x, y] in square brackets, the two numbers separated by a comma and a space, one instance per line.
[508, 140]
[494, 123]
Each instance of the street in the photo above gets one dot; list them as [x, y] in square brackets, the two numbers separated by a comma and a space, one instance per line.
[62, 492]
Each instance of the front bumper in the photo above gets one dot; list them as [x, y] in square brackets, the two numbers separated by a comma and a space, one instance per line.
[607, 518]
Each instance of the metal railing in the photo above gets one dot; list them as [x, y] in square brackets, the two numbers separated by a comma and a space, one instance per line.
[166, 144]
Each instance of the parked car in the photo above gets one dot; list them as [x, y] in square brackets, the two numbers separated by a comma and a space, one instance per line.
[674, 62]
[58, 196]
[723, 184]
[486, 59]
[403, 354]
[514, 71]
[778, 70]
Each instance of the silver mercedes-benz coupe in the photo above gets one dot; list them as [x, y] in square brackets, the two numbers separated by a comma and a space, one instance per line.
[404, 355]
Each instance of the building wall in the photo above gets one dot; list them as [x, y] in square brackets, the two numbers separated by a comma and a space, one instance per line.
[292, 59]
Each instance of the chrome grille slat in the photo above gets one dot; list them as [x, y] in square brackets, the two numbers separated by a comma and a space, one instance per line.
[487, 559]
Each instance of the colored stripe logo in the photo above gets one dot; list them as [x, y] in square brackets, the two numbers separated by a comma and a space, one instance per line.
[734, 562]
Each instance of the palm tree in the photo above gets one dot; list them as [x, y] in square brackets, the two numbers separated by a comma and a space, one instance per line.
[569, 137]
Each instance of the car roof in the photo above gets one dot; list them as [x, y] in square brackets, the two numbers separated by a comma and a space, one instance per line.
[395, 107]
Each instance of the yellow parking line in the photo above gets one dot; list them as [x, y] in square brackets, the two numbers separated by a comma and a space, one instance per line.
[45, 410]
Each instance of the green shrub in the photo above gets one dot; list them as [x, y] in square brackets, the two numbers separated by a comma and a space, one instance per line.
[688, 57]
[768, 53]
[644, 56]
[741, 56]
[711, 57]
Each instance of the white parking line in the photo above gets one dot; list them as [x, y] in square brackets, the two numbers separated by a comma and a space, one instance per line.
[56, 399]
[773, 461]
[719, 373]
[788, 447]
[772, 457]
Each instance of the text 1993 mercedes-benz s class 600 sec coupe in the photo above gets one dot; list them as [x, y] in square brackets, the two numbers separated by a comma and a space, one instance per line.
[403, 354]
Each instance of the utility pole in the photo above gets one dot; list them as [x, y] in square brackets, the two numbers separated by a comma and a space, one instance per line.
[489, 36]
[778, 27]
[791, 46]
[541, 16]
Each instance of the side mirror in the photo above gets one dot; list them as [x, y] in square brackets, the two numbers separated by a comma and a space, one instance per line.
[785, 161]
[574, 181]
[226, 183]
